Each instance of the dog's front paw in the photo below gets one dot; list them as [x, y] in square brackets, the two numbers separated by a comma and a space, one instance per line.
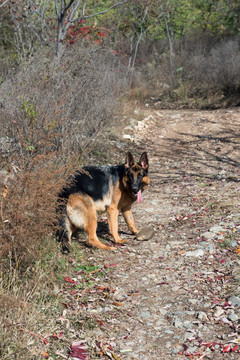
[120, 241]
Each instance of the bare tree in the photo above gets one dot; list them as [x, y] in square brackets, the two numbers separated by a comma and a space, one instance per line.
[139, 35]
[72, 12]
[28, 23]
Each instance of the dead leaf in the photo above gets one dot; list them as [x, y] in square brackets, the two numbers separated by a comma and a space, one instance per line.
[116, 303]
[78, 351]
[5, 191]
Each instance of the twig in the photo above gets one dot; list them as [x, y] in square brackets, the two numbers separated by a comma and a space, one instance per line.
[3, 3]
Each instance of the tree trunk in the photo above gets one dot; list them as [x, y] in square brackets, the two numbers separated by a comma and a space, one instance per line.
[60, 39]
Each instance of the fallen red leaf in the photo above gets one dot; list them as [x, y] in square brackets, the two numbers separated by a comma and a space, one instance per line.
[78, 351]
[227, 349]
[69, 280]
[101, 323]
[235, 348]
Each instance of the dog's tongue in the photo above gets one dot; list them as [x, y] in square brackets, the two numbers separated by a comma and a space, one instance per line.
[139, 197]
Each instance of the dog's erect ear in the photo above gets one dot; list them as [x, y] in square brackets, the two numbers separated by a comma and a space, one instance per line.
[144, 161]
[129, 159]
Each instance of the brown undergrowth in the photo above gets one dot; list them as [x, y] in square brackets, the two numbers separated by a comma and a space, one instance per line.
[53, 120]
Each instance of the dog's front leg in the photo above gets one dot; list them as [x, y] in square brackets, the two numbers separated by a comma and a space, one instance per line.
[128, 216]
[113, 224]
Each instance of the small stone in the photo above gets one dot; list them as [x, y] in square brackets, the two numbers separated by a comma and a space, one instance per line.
[145, 234]
[175, 351]
[150, 210]
[127, 137]
[233, 317]
[235, 300]
[208, 235]
[193, 301]
[178, 323]
[210, 248]
[163, 311]
[202, 316]
[195, 253]
[189, 336]
[217, 229]
[218, 312]
[144, 314]
[192, 349]
[187, 324]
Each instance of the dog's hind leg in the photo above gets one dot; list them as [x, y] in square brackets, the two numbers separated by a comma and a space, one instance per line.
[82, 214]
[91, 228]
[65, 233]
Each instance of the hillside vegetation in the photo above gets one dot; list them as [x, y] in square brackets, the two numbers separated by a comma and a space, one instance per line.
[69, 75]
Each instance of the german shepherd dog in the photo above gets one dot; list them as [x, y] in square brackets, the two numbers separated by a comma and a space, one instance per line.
[100, 188]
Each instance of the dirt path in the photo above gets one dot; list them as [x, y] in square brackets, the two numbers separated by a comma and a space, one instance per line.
[177, 295]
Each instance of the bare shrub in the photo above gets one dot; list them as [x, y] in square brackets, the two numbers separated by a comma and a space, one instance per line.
[28, 214]
[68, 103]
[213, 69]
[52, 114]
[203, 66]
[224, 64]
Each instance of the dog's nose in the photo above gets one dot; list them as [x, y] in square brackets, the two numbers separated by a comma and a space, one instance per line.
[135, 190]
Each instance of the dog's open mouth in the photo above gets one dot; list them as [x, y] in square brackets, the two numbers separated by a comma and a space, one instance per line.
[138, 195]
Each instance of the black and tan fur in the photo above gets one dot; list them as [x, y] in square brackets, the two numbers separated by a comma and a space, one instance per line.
[100, 188]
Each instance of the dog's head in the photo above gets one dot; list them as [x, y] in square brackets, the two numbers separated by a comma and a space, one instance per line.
[136, 175]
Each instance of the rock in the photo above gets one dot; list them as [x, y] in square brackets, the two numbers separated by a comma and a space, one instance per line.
[189, 336]
[233, 317]
[192, 349]
[128, 137]
[208, 235]
[195, 253]
[218, 312]
[234, 300]
[210, 248]
[202, 316]
[193, 301]
[150, 210]
[217, 229]
[145, 234]
[178, 323]
[175, 351]
[187, 324]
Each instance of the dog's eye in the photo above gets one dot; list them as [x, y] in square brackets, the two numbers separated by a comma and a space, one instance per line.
[140, 176]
